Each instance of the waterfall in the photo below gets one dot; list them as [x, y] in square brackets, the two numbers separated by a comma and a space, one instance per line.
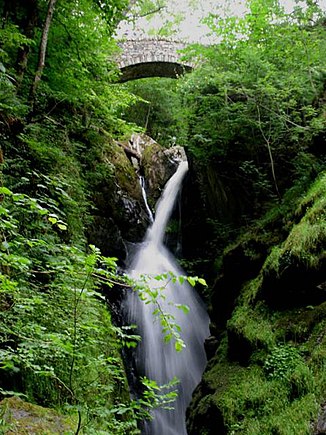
[154, 358]
[143, 191]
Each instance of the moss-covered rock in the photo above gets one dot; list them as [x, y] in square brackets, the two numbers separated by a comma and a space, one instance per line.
[158, 165]
[294, 273]
[241, 262]
[119, 212]
[268, 307]
[23, 418]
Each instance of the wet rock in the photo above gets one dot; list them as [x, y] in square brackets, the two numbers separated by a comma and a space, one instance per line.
[241, 263]
[148, 158]
[203, 416]
[106, 235]
[119, 213]
[211, 345]
[239, 347]
[321, 422]
[158, 165]
[293, 284]
[132, 217]
[25, 418]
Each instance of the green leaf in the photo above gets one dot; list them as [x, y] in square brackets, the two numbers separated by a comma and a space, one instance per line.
[179, 345]
[5, 191]
[181, 279]
[202, 281]
[168, 338]
[191, 280]
[184, 308]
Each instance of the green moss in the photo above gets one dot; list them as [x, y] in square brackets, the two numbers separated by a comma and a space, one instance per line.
[249, 401]
[297, 325]
[253, 326]
[306, 241]
[150, 152]
[282, 396]
[272, 261]
[23, 418]
[107, 163]
[250, 290]
[221, 374]
[275, 383]
[253, 404]
[249, 396]
[124, 172]
[315, 199]
[293, 419]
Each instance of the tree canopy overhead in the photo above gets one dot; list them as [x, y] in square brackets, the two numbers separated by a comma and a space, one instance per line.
[260, 86]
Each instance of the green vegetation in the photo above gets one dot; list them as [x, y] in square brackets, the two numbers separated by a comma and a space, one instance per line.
[268, 374]
[62, 172]
[19, 417]
[256, 127]
[251, 117]
[159, 110]
[59, 346]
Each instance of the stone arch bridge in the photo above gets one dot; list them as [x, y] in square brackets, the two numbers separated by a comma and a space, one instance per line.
[143, 58]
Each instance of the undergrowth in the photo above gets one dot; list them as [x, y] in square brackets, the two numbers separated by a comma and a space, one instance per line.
[278, 388]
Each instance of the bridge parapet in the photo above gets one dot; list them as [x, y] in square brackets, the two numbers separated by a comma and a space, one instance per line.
[150, 50]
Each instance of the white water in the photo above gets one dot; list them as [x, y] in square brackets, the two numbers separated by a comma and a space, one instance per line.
[143, 191]
[156, 359]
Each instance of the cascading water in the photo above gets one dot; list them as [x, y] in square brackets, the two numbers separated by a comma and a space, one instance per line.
[158, 360]
[143, 191]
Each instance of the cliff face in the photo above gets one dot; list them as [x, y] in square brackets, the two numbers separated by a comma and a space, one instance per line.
[120, 214]
[266, 369]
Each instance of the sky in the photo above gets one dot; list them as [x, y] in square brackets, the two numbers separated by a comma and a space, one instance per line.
[191, 12]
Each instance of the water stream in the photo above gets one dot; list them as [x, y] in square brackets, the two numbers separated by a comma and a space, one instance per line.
[143, 191]
[154, 358]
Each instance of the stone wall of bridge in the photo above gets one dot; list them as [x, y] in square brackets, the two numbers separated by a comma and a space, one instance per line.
[151, 58]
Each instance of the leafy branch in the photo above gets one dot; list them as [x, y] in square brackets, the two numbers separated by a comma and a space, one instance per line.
[267, 140]
[153, 294]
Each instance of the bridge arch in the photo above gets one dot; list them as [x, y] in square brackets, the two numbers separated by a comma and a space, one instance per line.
[151, 58]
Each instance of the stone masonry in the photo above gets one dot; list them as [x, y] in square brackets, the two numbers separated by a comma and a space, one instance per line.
[151, 58]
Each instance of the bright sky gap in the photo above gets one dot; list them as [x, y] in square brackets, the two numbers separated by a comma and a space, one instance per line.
[189, 15]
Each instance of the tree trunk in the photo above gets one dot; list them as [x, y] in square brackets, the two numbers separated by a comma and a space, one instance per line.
[28, 26]
[42, 51]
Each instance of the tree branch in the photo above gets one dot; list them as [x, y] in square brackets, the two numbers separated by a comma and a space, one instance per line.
[42, 51]
[269, 151]
[153, 11]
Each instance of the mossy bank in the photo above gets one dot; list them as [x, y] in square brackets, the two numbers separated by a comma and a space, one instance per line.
[267, 371]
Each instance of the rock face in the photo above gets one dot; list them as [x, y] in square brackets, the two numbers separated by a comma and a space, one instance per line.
[120, 214]
[204, 417]
[321, 423]
[266, 371]
[158, 164]
[19, 417]
[212, 206]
